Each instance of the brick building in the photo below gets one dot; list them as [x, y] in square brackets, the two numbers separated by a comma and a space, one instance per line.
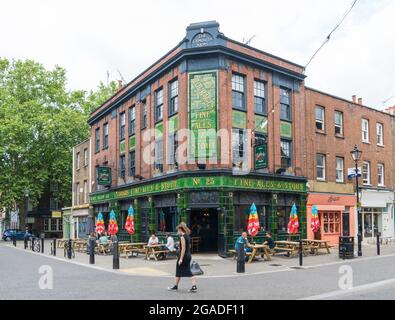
[207, 81]
[75, 217]
[333, 127]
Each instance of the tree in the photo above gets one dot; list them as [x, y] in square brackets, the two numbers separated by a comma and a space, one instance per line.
[40, 122]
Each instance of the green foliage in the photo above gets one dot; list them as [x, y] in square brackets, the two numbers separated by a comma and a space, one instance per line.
[40, 122]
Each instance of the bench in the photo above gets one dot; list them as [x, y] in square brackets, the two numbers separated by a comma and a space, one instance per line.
[234, 253]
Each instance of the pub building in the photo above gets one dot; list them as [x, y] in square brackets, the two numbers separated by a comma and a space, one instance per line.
[207, 81]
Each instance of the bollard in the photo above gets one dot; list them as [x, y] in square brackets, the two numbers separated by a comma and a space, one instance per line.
[300, 253]
[25, 240]
[54, 247]
[32, 243]
[92, 244]
[241, 259]
[14, 240]
[378, 244]
[359, 245]
[115, 255]
[42, 245]
[69, 244]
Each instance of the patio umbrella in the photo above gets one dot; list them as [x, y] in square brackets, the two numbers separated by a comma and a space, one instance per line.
[162, 221]
[253, 221]
[129, 225]
[293, 224]
[315, 222]
[112, 225]
[100, 224]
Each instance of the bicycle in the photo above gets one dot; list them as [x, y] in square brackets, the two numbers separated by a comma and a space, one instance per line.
[36, 245]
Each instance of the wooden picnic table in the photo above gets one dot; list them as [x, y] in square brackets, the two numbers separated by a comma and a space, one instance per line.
[290, 247]
[315, 245]
[259, 249]
[155, 250]
[131, 247]
[80, 245]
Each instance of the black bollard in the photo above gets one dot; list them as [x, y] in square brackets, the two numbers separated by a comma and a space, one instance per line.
[115, 255]
[25, 240]
[92, 244]
[14, 240]
[32, 243]
[300, 253]
[241, 259]
[69, 244]
[378, 244]
[54, 247]
[42, 245]
[359, 245]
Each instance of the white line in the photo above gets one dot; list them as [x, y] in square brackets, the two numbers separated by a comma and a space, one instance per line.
[364, 287]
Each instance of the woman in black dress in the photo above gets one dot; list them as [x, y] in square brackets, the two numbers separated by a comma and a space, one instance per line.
[183, 267]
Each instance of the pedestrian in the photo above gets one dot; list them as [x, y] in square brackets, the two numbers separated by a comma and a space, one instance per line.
[183, 266]
[269, 240]
[247, 247]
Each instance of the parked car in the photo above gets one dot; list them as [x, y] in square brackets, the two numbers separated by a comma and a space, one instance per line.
[9, 234]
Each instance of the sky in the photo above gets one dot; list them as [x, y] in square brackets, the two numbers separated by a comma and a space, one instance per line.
[91, 38]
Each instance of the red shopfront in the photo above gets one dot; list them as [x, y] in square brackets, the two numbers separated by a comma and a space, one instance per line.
[336, 214]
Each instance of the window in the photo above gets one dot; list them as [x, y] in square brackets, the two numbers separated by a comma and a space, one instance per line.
[320, 166]
[122, 166]
[259, 97]
[380, 174]
[132, 163]
[238, 146]
[85, 191]
[105, 136]
[173, 97]
[167, 219]
[339, 123]
[365, 130]
[144, 115]
[366, 172]
[97, 140]
[97, 178]
[320, 118]
[286, 154]
[78, 161]
[285, 104]
[159, 155]
[339, 169]
[53, 204]
[241, 214]
[77, 194]
[132, 120]
[379, 130]
[173, 146]
[122, 123]
[86, 159]
[260, 139]
[46, 224]
[159, 105]
[331, 222]
[238, 92]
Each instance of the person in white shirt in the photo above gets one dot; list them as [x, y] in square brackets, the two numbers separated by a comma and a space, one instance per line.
[153, 240]
[170, 242]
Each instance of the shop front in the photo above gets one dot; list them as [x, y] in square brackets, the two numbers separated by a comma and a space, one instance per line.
[67, 220]
[377, 214]
[216, 207]
[79, 220]
[336, 214]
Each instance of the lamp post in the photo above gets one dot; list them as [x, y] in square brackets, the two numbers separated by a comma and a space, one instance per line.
[356, 156]
[26, 192]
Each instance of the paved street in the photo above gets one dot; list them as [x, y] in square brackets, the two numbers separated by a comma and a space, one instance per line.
[373, 278]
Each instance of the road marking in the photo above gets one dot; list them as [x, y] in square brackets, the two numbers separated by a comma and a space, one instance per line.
[365, 287]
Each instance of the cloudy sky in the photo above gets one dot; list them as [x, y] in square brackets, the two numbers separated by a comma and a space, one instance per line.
[91, 37]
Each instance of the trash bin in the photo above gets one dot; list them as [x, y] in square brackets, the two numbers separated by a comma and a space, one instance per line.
[346, 247]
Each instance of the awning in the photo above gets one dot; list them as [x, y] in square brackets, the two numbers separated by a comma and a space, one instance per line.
[376, 198]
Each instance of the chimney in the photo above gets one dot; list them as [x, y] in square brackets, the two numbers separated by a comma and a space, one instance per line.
[120, 85]
[360, 101]
[354, 98]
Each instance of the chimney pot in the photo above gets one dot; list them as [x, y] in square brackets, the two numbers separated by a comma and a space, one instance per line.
[354, 98]
[360, 101]
[120, 85]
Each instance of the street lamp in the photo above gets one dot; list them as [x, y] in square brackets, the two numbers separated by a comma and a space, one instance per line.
[26, 193]
[356, 156]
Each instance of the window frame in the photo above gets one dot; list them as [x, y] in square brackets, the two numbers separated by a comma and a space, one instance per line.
[382, 175]
[158, 158]
[173, 100]
[97, 140]
[86, 157]
[238, 91]
[337, 169]
[105, 135]
[77, 161]
[365, 121]
[287, 104]
[143, 114]
[322, 167]
[240, 149]
[381, 142]
[132, 164]
[368, 183]
[122, 126]
[159, 106]
[290, 151]
[341, 125]
[321, 121]
[122, 166]
[262, 98]
[132, 120]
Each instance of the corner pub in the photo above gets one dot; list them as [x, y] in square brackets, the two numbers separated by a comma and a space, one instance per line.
[207, 81]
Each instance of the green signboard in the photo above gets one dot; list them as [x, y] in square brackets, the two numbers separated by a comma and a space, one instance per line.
[104, 176]
[260, 124]
[132, 142]
[202, 183]
[260, 155]
[159, 130]
[122, 146]
[286, 129]
[173, 124]
[203, 116]
[239, 119]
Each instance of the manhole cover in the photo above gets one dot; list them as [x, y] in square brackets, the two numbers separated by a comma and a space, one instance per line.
[275, 265]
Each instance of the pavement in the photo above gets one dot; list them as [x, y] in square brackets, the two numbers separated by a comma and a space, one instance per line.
[372, 277]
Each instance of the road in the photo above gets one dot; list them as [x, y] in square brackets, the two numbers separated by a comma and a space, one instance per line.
[373, 278]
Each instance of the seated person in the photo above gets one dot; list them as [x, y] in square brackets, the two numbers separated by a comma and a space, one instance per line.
[169, 242]
[153, 240]
[103, 239]
[269, 240]
[243, 239]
